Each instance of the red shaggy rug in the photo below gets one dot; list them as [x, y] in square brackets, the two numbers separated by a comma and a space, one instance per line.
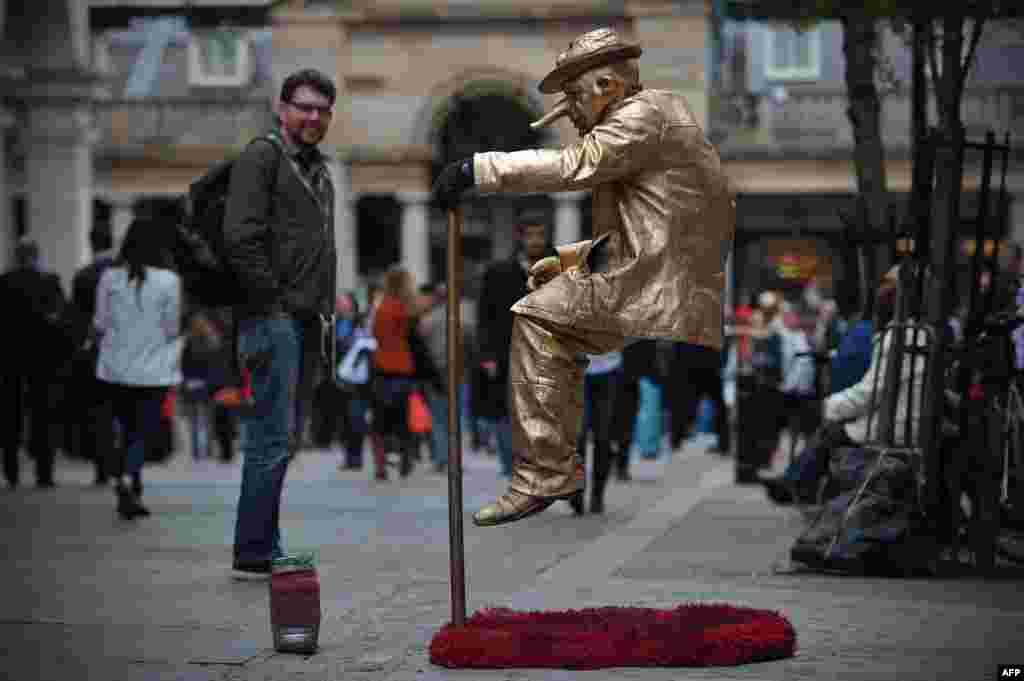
[697, 635]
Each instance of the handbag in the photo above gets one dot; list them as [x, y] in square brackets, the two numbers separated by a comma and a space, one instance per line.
[419, 414]
[168, 407]
[229, 397]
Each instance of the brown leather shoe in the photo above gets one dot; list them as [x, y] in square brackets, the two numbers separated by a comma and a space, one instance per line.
[510, 507]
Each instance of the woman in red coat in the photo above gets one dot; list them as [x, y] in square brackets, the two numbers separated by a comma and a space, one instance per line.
[394, 368]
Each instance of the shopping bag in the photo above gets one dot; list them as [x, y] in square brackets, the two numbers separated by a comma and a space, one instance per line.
[648, 428]
[167, 407]
[419, 414]
[229, 397]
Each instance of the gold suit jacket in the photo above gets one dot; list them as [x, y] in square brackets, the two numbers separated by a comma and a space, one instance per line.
[663, 213]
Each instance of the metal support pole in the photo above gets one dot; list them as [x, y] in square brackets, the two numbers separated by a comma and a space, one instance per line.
[976, 315]
[456, 547]
[1000, 225]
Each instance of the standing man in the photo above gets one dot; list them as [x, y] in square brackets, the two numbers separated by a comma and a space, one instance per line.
[601, 382]
[504, 283]
[664, 218]
[92, 415]
[38, 341]
[279, 237]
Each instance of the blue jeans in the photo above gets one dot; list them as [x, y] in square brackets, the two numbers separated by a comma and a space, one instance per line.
[358, 427]
[137, 408]
[272, 350]
[438, 404]
[808, 468]
[195, 403]
[805, 469]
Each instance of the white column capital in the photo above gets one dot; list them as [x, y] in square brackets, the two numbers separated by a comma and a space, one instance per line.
[61, 125]
[121, 200]
[568, 197]
[412, 197]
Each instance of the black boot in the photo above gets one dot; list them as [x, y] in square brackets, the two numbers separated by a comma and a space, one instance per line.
[11, 468]
[604, 460]
[128, 504]
[622, 467]
[597, 492]
[779, 491]
[576, 502]
[408, 453]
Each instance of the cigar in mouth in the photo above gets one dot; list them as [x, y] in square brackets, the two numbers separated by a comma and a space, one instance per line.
[560, 109]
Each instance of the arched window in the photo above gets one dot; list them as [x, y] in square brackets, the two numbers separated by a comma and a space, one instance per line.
[486, 115]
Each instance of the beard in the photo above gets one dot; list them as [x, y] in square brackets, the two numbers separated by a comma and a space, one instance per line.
[309, 135]
[312, 135]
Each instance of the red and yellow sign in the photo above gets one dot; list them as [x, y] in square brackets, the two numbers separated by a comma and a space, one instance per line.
[798, 267]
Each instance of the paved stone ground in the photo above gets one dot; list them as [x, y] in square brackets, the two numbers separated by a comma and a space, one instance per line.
[87, 596]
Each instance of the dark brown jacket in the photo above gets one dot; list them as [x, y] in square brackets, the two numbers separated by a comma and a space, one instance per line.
[279, 230]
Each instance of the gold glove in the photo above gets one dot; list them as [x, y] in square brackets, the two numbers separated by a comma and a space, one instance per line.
[543, 271]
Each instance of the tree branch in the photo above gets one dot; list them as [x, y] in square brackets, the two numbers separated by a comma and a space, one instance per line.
[976, 30]
[933, 57]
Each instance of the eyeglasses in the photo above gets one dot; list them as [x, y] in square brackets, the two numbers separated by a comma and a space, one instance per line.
[312, 108]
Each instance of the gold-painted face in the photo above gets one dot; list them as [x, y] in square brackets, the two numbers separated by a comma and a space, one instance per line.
[589, 96]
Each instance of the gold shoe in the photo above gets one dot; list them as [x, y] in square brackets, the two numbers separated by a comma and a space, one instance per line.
[510, 507]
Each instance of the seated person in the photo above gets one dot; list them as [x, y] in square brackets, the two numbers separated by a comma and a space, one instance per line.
[847, 414]
[852, 356]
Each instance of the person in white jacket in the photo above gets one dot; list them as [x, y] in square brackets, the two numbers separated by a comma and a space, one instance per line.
[138, 314]
[855, 416]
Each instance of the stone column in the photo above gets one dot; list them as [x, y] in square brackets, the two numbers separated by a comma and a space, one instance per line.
[56, 95]
[122, 212]
[568, 219]
[415, 235]
[7, 237]
[344, 228]
[59, 184]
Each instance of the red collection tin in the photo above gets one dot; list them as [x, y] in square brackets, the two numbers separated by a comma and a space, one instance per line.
[295, 604]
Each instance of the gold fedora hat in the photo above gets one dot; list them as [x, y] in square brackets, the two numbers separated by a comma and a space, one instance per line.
[590, 50]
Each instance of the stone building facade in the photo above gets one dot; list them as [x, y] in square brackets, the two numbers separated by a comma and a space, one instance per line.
[115, 104]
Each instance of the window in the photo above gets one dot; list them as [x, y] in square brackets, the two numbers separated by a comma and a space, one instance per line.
[792, 54]
[219, 58]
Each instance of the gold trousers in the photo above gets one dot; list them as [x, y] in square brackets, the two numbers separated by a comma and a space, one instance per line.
[546, 402]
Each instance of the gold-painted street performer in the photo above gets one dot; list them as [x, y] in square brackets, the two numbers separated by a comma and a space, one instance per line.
[663, 216]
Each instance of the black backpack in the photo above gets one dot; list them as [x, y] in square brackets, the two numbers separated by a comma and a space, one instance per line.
[199, 253]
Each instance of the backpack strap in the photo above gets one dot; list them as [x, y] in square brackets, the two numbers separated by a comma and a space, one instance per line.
[275, 139]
